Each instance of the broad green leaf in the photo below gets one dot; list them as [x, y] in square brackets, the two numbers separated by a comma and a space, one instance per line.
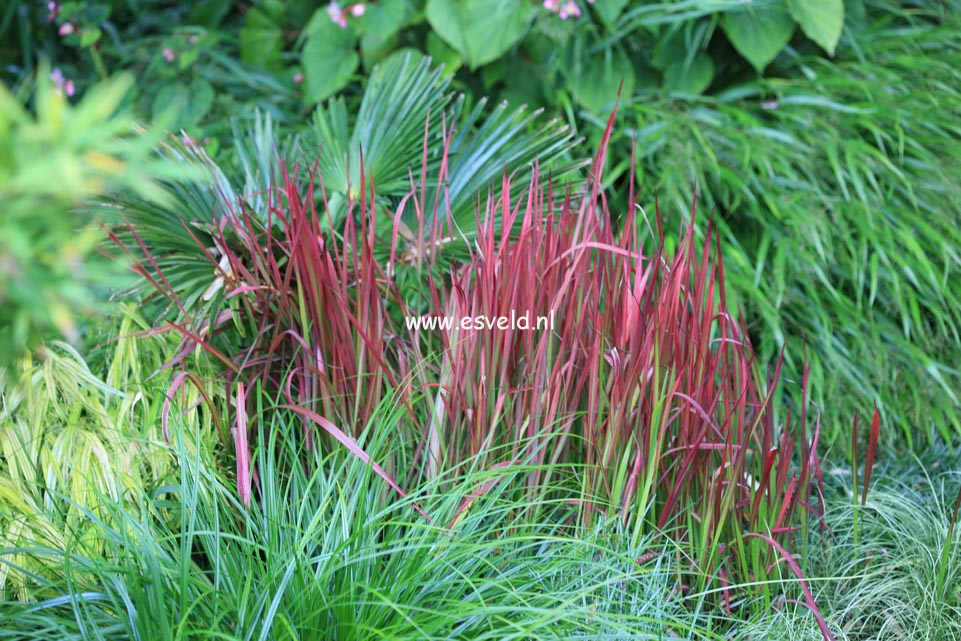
[385, 19]
[820, 20]
[759, 33]
[209, 13]
[89, 36]
[186, 106]
[691, 79]
[480, 30]
[201, 99]
[609, 10]
[670, 49]
[329, 58]
[442, 54]
[170, 102]
[595, 80]
[380, 24]
[261, 38]
[524, 83]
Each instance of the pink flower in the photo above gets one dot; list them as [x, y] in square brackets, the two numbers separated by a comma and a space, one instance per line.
[54, 9]
[298, 78]
[358, 9]
[551, 5]
[66, 29]
[769, 105]
[168, 54]
[67, 85]
[569, 9]
[337, 15]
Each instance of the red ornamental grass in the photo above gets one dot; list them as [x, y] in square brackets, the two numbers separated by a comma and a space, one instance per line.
[643, 399]
[646, 385]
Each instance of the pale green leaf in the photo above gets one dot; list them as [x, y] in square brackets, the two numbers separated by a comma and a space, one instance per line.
[821, 20]
[329, 59]
[693, 79]
[594, 81]
[480, 30]
[759, 32]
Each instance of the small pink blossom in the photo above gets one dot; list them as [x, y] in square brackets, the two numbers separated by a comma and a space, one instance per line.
[337, 15]
[67, 85]
[298, 78]
[66, 29]
[54, 9]
[168, 54]
[569, 9]
[769, 105]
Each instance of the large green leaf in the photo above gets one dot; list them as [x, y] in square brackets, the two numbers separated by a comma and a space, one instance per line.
[262, 38]
[380, 24]
[609, 10]
[481, 30]
[329, 57]
[595, 79]
[821, 20]
[759, 32]
[693, 79]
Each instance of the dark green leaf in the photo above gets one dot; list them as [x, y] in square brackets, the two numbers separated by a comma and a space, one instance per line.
[199, 103]
[609, 10]
[209, 13]
[594, 80]
[691, 79]
[170, 101]
[261, 38]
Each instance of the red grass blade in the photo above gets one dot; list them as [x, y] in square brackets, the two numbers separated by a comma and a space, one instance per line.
[808, 597]
[351, 445]
[242, 446]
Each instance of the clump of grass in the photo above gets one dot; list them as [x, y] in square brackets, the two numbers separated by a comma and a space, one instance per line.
[833, 190]
[644, 402]
[323, 553]
[890, 568]
[70, 439]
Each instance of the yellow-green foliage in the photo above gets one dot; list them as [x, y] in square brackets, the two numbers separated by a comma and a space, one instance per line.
[70, 439]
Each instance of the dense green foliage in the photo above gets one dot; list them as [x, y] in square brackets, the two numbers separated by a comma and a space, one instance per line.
[808, 127]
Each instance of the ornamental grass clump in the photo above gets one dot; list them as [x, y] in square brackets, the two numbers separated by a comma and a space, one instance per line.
[641, 401]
